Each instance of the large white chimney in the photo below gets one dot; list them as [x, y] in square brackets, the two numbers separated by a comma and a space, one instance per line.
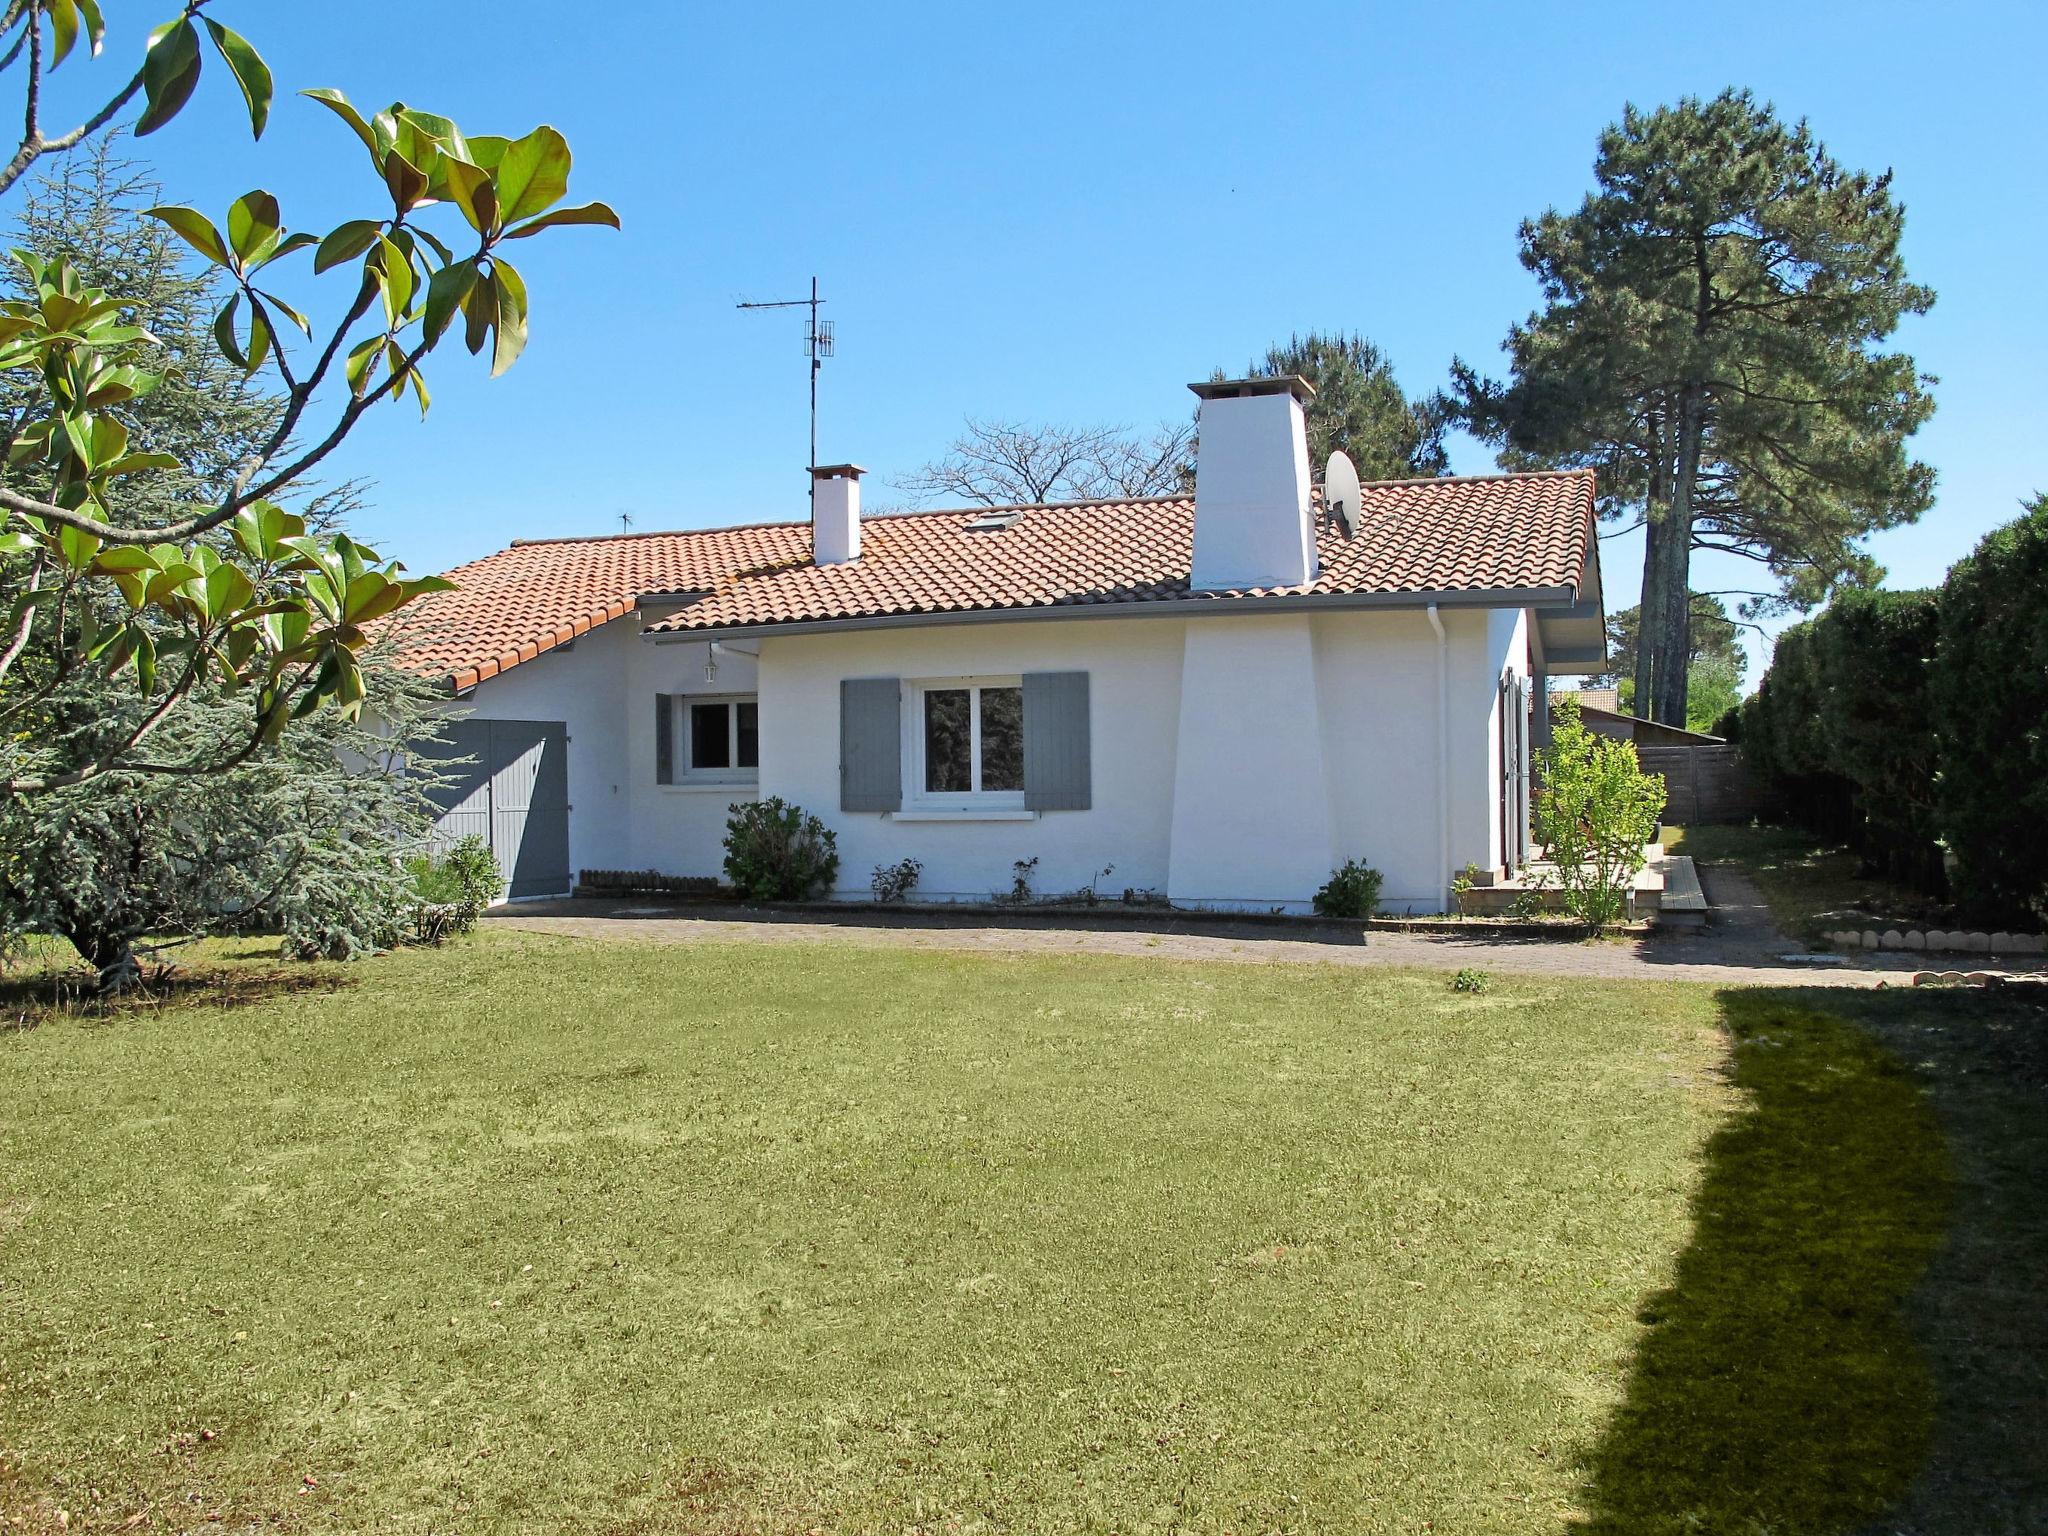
[835, 513]
[1253, 523]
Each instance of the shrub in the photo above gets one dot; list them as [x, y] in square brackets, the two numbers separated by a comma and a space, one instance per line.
[1461, 887]
[1988, 687]
[893, 882]
[1020, 893]
[1352, 891]
[449, 892]
[466, 875]
[1471, 980]
[1597, 810]
[1871, 653]
[775, 851]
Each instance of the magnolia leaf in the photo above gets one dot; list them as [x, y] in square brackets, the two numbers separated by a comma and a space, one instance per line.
[169, 72]
[227, 590]
[392, 268]
[252, 223]
[224, 334]
[587, 213]
[260, 335]
[136, 463]
[250, 72]
[362, 362]
[286, 246]
[344, 109]
[95, 24]
[145, 661]
[63, 29]
[511, 328]
[446, 290]
[533, 174]
[195, 229]
[480, 312]
[406, 181]
[292, 314]
[345, 242]
[469, 189]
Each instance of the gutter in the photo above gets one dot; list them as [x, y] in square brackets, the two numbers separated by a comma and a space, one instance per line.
[1443, 757]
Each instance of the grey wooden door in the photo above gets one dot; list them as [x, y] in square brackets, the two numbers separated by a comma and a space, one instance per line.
[515, 796]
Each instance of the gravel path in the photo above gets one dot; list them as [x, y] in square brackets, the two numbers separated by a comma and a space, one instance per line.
[1739, 947]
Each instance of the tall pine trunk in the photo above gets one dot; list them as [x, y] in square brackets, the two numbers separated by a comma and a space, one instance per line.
[1664, 622]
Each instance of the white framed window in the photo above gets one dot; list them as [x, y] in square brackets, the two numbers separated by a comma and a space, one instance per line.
[964, 746]
[718, 739]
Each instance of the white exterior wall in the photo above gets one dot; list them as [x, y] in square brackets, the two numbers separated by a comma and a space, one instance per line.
[1377, 682]
[1235, 760]
[1134, 700]
[679, 829]
[1251, 807]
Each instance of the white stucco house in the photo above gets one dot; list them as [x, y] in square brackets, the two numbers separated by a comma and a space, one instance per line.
[1224, 696]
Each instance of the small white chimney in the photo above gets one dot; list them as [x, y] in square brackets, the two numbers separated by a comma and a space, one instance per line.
[835, 513]
[1253, 522]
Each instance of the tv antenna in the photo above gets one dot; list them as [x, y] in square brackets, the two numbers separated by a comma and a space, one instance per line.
[817, 347]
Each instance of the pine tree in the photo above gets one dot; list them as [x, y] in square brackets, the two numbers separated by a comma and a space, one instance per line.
[1710, 343]
[1359, 407]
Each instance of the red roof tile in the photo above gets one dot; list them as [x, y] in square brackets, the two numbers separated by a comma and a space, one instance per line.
[1463, 534]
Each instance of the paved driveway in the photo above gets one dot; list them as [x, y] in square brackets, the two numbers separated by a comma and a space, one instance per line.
[1739, 946]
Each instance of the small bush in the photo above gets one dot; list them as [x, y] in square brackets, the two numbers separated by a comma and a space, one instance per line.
[1597, 810]
[775, 851]
[466, 875]
[893, 882]
[1021, 873]
[1461, 886]
[450, 892]
[1352, 891]
[1471, 980]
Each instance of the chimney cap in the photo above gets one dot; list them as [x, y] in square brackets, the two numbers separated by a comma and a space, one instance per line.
[837, 472]
[1231, 389]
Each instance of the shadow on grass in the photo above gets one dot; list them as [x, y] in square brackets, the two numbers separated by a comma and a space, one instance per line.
[234, 980]
[1778, 1387]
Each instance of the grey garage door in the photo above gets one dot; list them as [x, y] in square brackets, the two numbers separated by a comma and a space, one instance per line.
[515, 796]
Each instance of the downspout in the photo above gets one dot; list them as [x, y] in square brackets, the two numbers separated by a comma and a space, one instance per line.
[1443, 756]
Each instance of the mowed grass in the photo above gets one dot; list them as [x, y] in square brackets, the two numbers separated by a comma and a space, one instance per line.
[538, 1234]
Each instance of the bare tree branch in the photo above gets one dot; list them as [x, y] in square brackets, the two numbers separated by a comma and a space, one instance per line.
[1005, 463]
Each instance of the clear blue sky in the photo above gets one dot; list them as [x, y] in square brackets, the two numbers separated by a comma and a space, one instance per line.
[1067, 212]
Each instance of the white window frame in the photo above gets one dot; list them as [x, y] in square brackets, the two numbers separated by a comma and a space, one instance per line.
[915, 796]
[684, 713]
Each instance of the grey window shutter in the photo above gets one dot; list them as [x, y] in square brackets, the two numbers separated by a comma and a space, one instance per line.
[664, 739]
[1056, 746]
[870, 744]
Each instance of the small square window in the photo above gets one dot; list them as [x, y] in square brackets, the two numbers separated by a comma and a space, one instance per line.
[721, 739]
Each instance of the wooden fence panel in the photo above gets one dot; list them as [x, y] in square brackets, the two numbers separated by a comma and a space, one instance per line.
[1704, 784]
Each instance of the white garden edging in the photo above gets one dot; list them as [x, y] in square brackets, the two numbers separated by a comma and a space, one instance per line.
[1956, 941]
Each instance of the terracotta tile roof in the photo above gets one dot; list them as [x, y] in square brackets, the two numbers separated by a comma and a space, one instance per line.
[1460, 534]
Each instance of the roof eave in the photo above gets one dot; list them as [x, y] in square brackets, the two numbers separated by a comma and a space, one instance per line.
[1541, 598]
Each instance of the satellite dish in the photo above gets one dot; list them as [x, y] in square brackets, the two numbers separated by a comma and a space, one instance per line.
[1340, 491]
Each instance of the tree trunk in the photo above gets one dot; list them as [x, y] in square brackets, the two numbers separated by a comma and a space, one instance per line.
[112, 955]
[1664, 639]
[1649, 615]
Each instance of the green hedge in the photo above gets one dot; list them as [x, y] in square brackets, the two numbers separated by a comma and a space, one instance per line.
[1989, 691]
[1906, 722]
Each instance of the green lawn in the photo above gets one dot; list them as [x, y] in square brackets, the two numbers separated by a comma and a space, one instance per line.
[542, 1235]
